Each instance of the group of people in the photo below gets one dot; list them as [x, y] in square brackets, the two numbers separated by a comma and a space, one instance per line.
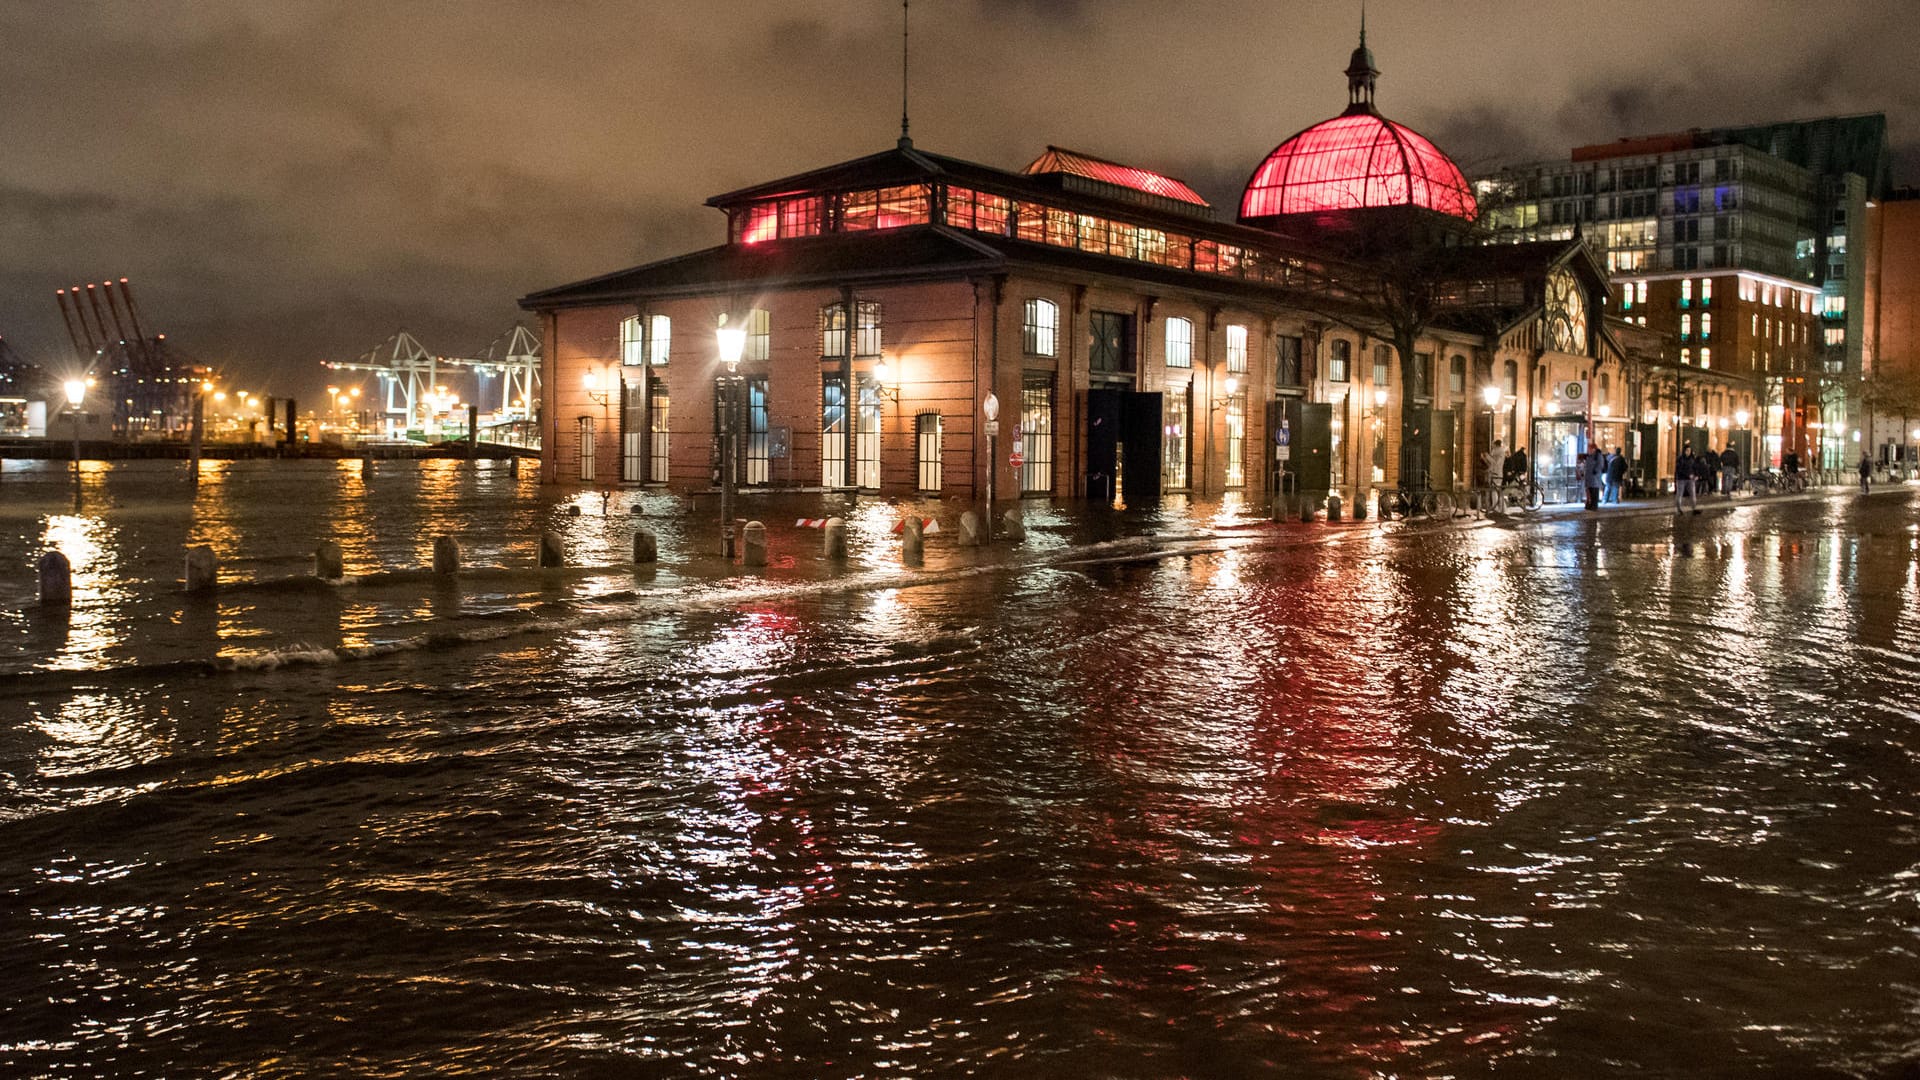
[1601, 473]
[1698, 474]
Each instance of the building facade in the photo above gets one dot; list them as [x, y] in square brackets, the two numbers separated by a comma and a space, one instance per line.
[1136, 345]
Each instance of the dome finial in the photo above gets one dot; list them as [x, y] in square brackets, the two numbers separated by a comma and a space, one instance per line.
[1360, 71]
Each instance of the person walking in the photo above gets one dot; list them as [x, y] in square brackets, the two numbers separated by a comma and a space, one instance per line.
[1866, 472]
[1593, 476]
[1683, 481]
[1703, 467]
[1616, 474]
[1729, 470]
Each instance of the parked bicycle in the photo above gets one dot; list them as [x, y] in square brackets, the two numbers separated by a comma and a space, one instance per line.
[1416, 503]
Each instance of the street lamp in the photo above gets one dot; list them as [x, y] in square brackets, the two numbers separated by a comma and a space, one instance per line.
[731, 341]
[76, 392]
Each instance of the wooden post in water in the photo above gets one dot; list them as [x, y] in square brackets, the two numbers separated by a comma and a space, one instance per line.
[446, 556]
[550, 549]
[196, 437]
[473, 432]
[203, 569]
[328, 563]
[646, 548]
[56, 581]
[913, 542]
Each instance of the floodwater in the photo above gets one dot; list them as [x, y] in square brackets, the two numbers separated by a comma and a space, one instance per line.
[1637, 797]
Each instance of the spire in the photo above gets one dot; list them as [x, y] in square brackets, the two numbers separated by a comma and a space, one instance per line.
[1361, 73]
[905, 142]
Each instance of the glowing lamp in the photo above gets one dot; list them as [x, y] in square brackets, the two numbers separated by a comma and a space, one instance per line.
[1490, 395]
[883, 373]
[1380, 396]
[1233, 385]
[76, 391]
[1741, 416]
[732, 342]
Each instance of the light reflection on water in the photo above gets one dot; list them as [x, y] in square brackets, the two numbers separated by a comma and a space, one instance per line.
[1634, 797]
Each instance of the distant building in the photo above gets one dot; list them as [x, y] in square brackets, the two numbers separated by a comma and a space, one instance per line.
[1760, 221]
[1892, 319]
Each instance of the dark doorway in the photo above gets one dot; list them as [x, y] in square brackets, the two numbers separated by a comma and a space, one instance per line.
[1305, 459]
[1140, 448]
[1442, 478]
[1103, 443]
[1416, 448]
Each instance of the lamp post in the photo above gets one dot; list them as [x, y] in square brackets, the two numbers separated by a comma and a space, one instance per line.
[991, 408]
[76, 392]
[731, 342]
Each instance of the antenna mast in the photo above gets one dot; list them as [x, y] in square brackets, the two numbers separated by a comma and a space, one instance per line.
[905, 142]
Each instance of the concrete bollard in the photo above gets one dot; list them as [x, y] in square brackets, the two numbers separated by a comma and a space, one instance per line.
[328, 563]
[754, 537]
[1308, 505]
[913, 543]
[446, 556]
[573, 511]
[1359, 506]
[550, 549]
[56, 581]
[203, 570]
[835, 537]
[970, 529]
[1013, 525]
[646, 547]
[1334, 507]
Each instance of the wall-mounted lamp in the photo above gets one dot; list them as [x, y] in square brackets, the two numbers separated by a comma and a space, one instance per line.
[1232, 387]
[1741, 416]
[599, 390]
[886, 381]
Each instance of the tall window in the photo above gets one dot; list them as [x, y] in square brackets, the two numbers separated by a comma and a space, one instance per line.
[1112, 346]
[1237, 350]
[1382, 365]
[1686, 327]
[586, 448]
[866, 437]
[1457, 374]
[833, 432]
[1513, 379]
[1422, 369]
[833, 329]
[1706, 290]
[759, 335]
[645, 339]
[926, 441]
[1036, 433]
[758, 463]
[1177, 410]
[1042, 328]
[1179, 343]
[1340, 364]
[1686, 291]
[657, 429]
[1286, 362]
[1706, 325]
[633, 431]
[1237, 439]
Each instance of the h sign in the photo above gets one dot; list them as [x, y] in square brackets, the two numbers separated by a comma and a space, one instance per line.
[1570, 396]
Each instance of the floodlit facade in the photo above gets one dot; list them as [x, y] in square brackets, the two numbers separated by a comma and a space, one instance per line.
[1136, 344]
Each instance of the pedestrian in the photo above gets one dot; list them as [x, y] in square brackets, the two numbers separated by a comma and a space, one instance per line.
[1496, 459]
[1791, 463]
[1729, 470]
[1517, 465]
[1616, 473]
[1866, 472]
[1683, 481]
[1593, 475]
[1702, 476]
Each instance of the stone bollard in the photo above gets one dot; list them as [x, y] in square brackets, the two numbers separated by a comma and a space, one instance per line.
[203, 570]
[754, 536]
[1308, 504]
[56, 581]
[969, 529]
[646, 547]
[550, 549]
[913, 543]
[1013, 525]
[835, 538]
[1334, 506]
[446, 556]
[1359, 506]
[328, 564]
[573, 511]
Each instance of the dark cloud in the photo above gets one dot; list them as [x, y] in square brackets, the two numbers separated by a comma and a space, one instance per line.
[292, 182]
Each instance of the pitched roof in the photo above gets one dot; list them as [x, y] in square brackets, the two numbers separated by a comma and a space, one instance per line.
[1074, 163]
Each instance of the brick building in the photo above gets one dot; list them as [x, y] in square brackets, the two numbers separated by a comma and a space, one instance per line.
[1137, 344]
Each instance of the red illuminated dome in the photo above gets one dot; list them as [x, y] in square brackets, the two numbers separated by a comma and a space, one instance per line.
[1356, 160]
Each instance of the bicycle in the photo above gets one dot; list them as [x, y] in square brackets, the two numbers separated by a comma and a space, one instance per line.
[1409, 504]
[1521, 495]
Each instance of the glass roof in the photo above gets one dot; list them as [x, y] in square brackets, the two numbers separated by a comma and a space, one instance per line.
[1111, 172]
[1359, 159]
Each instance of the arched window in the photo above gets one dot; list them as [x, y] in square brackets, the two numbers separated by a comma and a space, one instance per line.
[1237, 349]
[833, 329]
[1513, 379]
[1042, 328]
[1179, 343]
[645, 339]
[1340, 364]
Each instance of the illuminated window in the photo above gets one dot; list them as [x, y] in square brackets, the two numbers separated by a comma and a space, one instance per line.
[1706, 325]
[1706, 290]
[1641, 289]
[1755, 330]
[926, 440]
[659, 340]
[762, 223]
[1179, 343]
[1686, 356]
[1237, 439]
[1686, 291]
[1340, 364]
[1041, 328]
[657, 428]
[1686, 327]
[885, 208]
[1237, 349]
[978, 210]
[833, 329]
[1036, 433]
[866, 436]
[758, 456]
[1352, 161]
[833, 432]
[633, 349]
[1176, 413]
[759, 335]
[586, 448]
[1382, 365]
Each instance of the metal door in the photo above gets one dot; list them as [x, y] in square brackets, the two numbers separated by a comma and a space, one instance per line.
[1140, 447]
[1103, 441]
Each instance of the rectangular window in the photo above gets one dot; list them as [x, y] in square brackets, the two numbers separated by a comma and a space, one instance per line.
[1176, 411]
[657, 430]
[926, 441]
[1036, 433]
[1237, 350]
[1422, 374]
[1382, 365]
[1179, 343]
[1457, 375]
[659, 340]
[586, 448]
[1040, 330]
[633, 431]
[833, 432]
[866, 437]
[758, 461]
[1286, 362]
[1340, 365]
[899, 207]
[759, 335]
[866, 331]
[978, 210]
[633, 347]
[1112, 345]
[801, 217]
[1237, 439]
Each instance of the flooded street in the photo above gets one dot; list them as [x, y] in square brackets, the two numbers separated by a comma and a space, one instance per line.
[1561, 798]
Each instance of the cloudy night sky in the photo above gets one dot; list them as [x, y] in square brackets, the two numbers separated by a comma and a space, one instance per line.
[288, 182]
